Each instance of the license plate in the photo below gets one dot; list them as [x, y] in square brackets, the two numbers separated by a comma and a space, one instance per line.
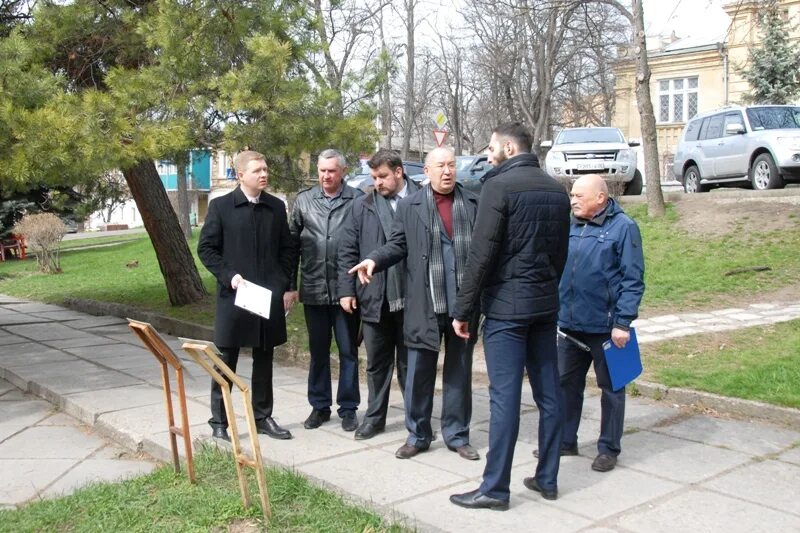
[591, 166]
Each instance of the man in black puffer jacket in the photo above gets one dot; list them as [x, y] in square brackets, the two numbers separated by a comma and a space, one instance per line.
[518, 251]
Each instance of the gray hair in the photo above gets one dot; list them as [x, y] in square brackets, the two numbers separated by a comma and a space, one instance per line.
[331, 153]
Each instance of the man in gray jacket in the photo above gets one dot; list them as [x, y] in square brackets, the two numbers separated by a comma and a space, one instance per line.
[318, 215]
[432, 232]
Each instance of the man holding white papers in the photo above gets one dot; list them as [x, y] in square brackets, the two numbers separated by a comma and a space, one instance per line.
[600, 293]
[246, 237]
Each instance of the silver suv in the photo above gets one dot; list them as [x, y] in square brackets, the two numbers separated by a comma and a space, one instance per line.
[578, 151]
[753, 145]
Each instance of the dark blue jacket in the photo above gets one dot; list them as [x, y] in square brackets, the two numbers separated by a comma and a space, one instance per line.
[519, 245]
[603, 282]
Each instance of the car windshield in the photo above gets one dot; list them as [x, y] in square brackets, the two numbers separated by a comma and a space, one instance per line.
[774, 118]
[463, 162]
[590, 135]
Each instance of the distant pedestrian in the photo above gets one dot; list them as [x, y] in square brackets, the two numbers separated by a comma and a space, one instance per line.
[601, 290]
[246, 237]
[317, 218]
[517, 255]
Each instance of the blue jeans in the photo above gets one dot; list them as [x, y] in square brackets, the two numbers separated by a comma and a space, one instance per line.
[511, 347]
[321, 320]
[573, 365]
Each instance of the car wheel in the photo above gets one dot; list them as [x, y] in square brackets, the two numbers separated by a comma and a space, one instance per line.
[764, 174]
[634, 187]
[691, 181]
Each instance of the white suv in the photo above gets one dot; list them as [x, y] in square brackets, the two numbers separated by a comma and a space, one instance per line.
[578, 151]
[757, 146]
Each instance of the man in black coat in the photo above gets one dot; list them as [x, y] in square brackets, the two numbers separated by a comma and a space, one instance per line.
[246, 237]
[318, 215]
[432, 231]
[381, 302]
[518, 253]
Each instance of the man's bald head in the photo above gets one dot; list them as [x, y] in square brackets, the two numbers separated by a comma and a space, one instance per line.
[589, 196]
[440, 167]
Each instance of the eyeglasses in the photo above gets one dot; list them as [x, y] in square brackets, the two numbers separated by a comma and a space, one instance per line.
[442, 166]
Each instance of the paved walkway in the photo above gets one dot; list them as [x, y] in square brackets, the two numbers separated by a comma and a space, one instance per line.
[679, 471]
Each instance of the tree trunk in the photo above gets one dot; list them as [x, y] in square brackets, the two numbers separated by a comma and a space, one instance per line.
[181, 162]
[408, 118]
[181, 277]
[655, 198]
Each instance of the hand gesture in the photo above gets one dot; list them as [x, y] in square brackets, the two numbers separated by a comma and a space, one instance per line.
[364, 270]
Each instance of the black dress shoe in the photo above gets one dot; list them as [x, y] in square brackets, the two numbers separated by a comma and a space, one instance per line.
[407, 451]
[268, 426]
[604, 462]
[316, 419]
[220, 433]
[466, 452]
[349, 421]
[367, 431]
[477, 500]
[565, 451]
[530, 482]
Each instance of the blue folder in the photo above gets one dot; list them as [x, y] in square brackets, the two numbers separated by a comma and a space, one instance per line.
[624, 364]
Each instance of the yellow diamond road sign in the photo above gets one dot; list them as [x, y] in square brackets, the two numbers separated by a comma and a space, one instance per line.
[441, 120]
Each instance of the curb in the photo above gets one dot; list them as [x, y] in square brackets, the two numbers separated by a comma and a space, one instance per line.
[735, 407]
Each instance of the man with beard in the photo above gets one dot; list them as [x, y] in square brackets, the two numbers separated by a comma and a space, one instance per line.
[432, 231]
[381, 302]
[246, 236]
[518, 252]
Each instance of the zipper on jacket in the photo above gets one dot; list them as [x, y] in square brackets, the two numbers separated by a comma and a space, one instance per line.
[572, 279]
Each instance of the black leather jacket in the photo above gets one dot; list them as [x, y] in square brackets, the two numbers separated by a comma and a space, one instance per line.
[315, 225]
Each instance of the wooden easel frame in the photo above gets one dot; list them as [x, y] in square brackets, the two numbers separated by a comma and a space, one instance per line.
[207, 355]
[165, 356]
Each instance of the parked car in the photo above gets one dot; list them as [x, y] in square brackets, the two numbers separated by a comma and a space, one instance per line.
[470, 169]
[361, 178]
[757, 146]
[578, 151]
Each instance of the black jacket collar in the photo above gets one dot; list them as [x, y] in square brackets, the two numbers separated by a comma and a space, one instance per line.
[521, 160]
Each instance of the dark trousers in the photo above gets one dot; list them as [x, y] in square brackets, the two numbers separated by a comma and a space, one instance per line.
[384, 344]
[261, 385]
[573, 365]
[511, 347]
[457, 393]
[321, 321]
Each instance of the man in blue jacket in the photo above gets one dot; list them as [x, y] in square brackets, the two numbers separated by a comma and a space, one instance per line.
[600, 292]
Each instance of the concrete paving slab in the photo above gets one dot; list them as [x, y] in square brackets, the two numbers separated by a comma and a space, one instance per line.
[24, 478]
[763, 307]
[716, 321]
[32, 307]
[49, 357]
[791, 456]
[88, 405]
[94, 341]
[40, 332]
[12, 396]
[308, 447]
[685, 332]
[772, 484]
[665, 319]
[120, 328]
[50, 442]
[15, 319]
[17, 415]
[597, 495]
[655, 328]
[87, 321]
[745, 317]
[525, 515]
[390, 481]
[677, 459]
[63, 315]
[699, 510]
[748, 437]
[5, 387]
[60, 419]
[96, 378]
[131, 426]
[726, 312]
[97, 471]
[7, 339]
[644, 413]
[110, 351]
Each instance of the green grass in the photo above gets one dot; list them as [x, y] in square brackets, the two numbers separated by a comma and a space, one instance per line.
[758, 363]
[165, 501]
[684, 269]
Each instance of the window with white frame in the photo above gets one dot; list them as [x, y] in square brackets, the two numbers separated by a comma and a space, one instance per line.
[677, 99]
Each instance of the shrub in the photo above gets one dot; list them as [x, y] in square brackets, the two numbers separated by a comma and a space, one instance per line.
[43, 232]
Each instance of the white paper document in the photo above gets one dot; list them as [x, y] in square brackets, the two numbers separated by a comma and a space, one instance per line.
[254, 298]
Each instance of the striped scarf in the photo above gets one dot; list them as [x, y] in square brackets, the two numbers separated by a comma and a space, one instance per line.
[462, 235]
